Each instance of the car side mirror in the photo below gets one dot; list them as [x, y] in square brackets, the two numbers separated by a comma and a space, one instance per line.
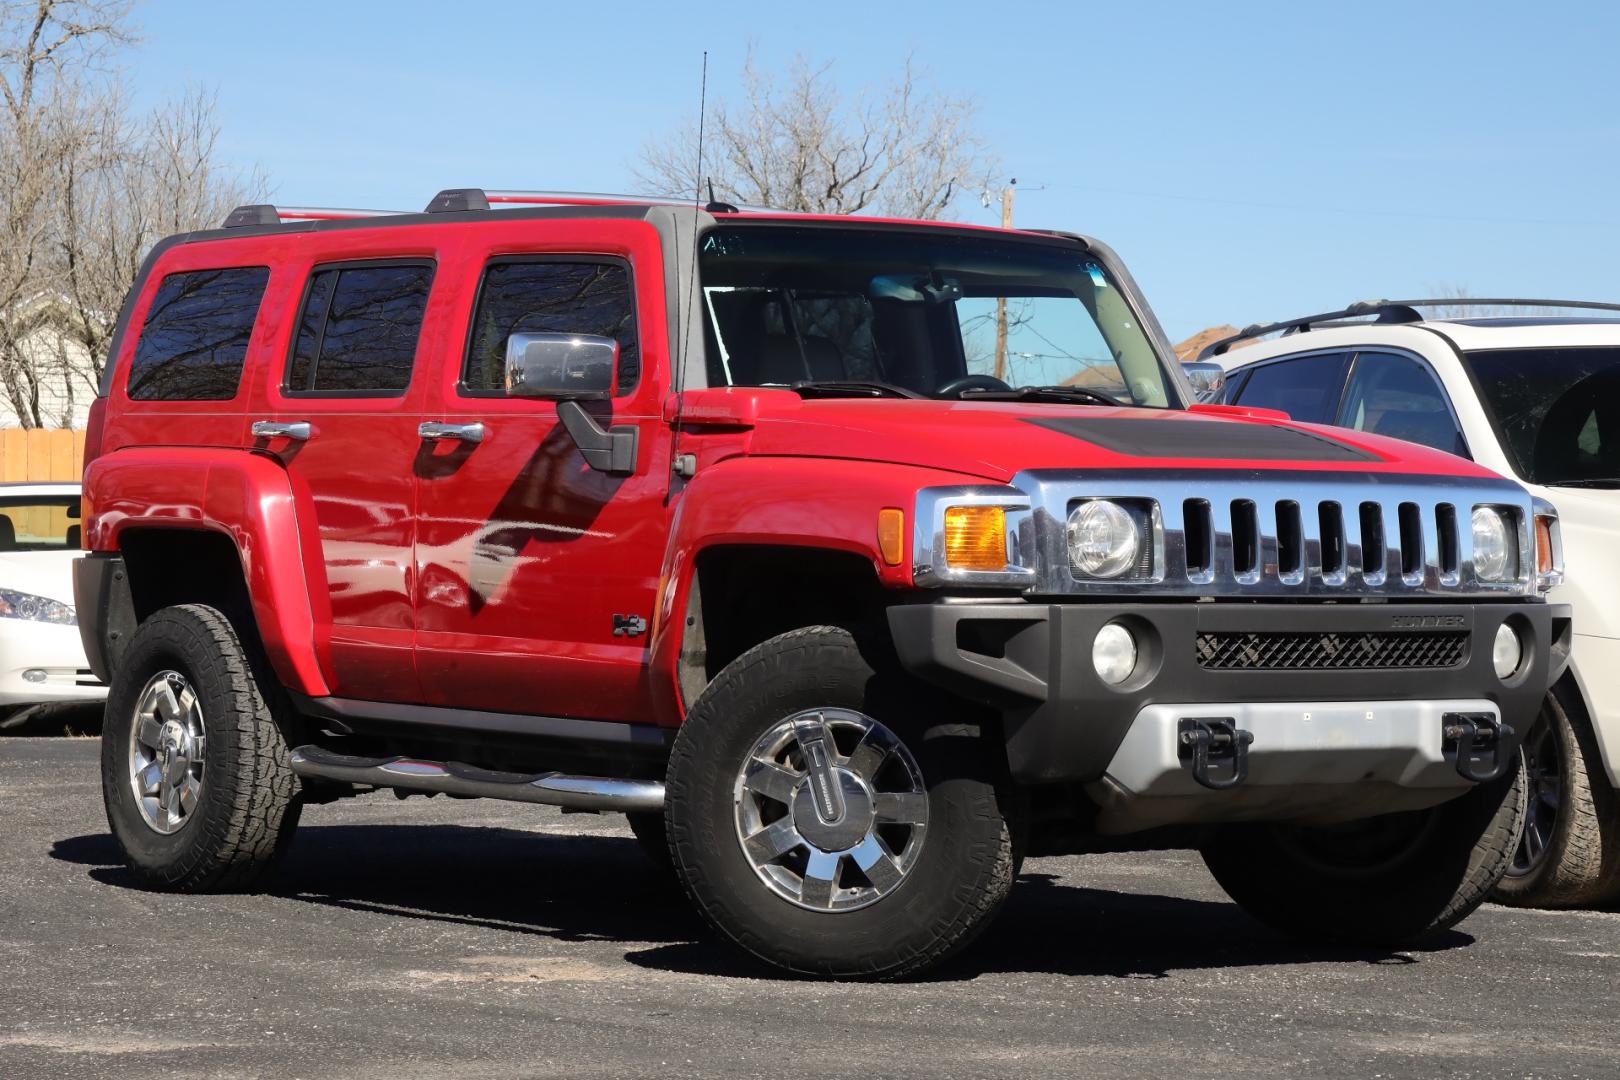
[568, 369]
[1208, 380]
[563, 367]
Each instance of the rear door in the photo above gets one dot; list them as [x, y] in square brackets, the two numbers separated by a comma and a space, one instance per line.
[339, 407]
[538, 575]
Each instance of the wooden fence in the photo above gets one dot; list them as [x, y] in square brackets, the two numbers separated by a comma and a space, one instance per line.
[39, 454]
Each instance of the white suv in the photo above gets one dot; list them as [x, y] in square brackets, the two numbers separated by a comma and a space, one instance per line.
[1536, 397]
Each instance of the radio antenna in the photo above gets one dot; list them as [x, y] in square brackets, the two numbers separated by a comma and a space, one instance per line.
[684, 326]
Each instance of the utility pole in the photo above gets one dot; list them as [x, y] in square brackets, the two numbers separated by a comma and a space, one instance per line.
[1001, 301]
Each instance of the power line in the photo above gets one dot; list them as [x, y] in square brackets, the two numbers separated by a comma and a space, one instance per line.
[1348, 211]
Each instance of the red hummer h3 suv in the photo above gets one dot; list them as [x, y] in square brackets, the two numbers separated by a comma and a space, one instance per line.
[852, 559]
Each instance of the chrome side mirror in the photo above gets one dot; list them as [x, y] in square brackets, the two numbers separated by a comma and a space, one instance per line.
[1208, 380]
[561, 366]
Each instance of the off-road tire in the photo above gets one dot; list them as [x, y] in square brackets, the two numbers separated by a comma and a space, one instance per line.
[1442, 864]
[648, 828]
[248, 806]
[964, 869]
[1581, 865]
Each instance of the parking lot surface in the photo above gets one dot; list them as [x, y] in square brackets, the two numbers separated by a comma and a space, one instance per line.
[440, 938]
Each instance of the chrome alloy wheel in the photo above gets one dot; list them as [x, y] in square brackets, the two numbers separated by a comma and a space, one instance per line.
[1544, 781]
[831, 810]
[166, 752]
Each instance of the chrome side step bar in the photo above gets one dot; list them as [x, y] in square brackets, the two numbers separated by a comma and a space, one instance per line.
[452, 778]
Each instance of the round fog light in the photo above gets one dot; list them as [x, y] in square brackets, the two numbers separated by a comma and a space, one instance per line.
[1113, 654]
[35, 674]
[1506, 651]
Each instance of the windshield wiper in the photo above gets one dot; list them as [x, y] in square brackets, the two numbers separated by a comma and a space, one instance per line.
[827, 388]
[1591, 482]
[1043, 393]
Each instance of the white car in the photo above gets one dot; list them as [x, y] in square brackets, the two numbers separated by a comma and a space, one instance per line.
[41, 658]
[1531, 396]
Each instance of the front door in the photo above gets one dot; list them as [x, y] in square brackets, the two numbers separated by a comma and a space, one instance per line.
[340, 409]
[537, 574]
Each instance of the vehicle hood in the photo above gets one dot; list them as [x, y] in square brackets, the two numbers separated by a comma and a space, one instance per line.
[998, 440]
[43, 573]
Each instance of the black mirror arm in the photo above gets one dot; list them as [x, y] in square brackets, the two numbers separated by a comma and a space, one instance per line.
[612, 451]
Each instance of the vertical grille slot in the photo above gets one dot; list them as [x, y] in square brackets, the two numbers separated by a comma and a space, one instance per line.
[1330, 516]
[1411, 522]
[1245, 538]
[1199, 532]
[1445, 527]
[1372, 540]
[1290, 541]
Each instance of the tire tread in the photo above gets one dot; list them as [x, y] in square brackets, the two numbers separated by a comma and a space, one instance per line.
[252, 779]
[754, 676]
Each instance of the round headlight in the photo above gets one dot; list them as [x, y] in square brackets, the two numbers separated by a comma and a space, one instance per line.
[1492, 545]
[1103, 539]
[1113, 654]
[1506, 651]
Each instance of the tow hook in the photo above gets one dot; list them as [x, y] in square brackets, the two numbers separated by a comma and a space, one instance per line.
[1218, 739]
[1475, 735]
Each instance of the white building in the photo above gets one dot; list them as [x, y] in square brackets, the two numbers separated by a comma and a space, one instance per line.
[55, 385]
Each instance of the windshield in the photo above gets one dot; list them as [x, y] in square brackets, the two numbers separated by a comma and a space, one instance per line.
[938, 314]
[1558, 411]
[39, 523]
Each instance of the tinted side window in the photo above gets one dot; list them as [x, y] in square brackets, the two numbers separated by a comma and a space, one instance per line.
[359, 328]
[196, 335]
[1396, 396]
[1307, 389]
[574, 297]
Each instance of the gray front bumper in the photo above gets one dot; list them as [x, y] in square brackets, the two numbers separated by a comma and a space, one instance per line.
[1310, 761]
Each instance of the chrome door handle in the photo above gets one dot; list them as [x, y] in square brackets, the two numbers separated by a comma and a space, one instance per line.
[438, 429]
[298, 430]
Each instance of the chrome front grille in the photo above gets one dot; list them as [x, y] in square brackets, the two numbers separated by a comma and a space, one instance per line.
[1283, 525]
[1284, 534]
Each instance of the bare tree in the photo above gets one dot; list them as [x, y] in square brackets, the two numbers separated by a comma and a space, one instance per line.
[41, 44]
[1460, 310]
[904, 149]
[130, 184]
[85, 190]
[1480, 311]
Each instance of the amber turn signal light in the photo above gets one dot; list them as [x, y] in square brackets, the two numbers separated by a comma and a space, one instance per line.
[1544, 544]
[976, 538]
[891, 535]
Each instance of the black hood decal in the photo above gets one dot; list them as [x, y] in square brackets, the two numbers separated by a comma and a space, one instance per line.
[1201, 439]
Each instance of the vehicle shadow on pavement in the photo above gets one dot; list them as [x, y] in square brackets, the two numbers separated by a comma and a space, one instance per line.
[602, 888]
[1056, 929]
[569, 888]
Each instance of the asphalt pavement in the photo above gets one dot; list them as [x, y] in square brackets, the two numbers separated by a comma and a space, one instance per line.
[440, 938]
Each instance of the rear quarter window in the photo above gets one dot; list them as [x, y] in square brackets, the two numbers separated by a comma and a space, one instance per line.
[196, 335]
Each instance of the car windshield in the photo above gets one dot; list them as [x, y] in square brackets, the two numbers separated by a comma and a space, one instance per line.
[945, 314]
[39, 522]
[1558, 411]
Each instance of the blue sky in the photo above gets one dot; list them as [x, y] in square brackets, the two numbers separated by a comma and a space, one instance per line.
[1249, 161]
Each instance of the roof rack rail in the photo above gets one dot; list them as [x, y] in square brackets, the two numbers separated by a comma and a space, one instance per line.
[452, 200]
[265, 214]
[1389, 311]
